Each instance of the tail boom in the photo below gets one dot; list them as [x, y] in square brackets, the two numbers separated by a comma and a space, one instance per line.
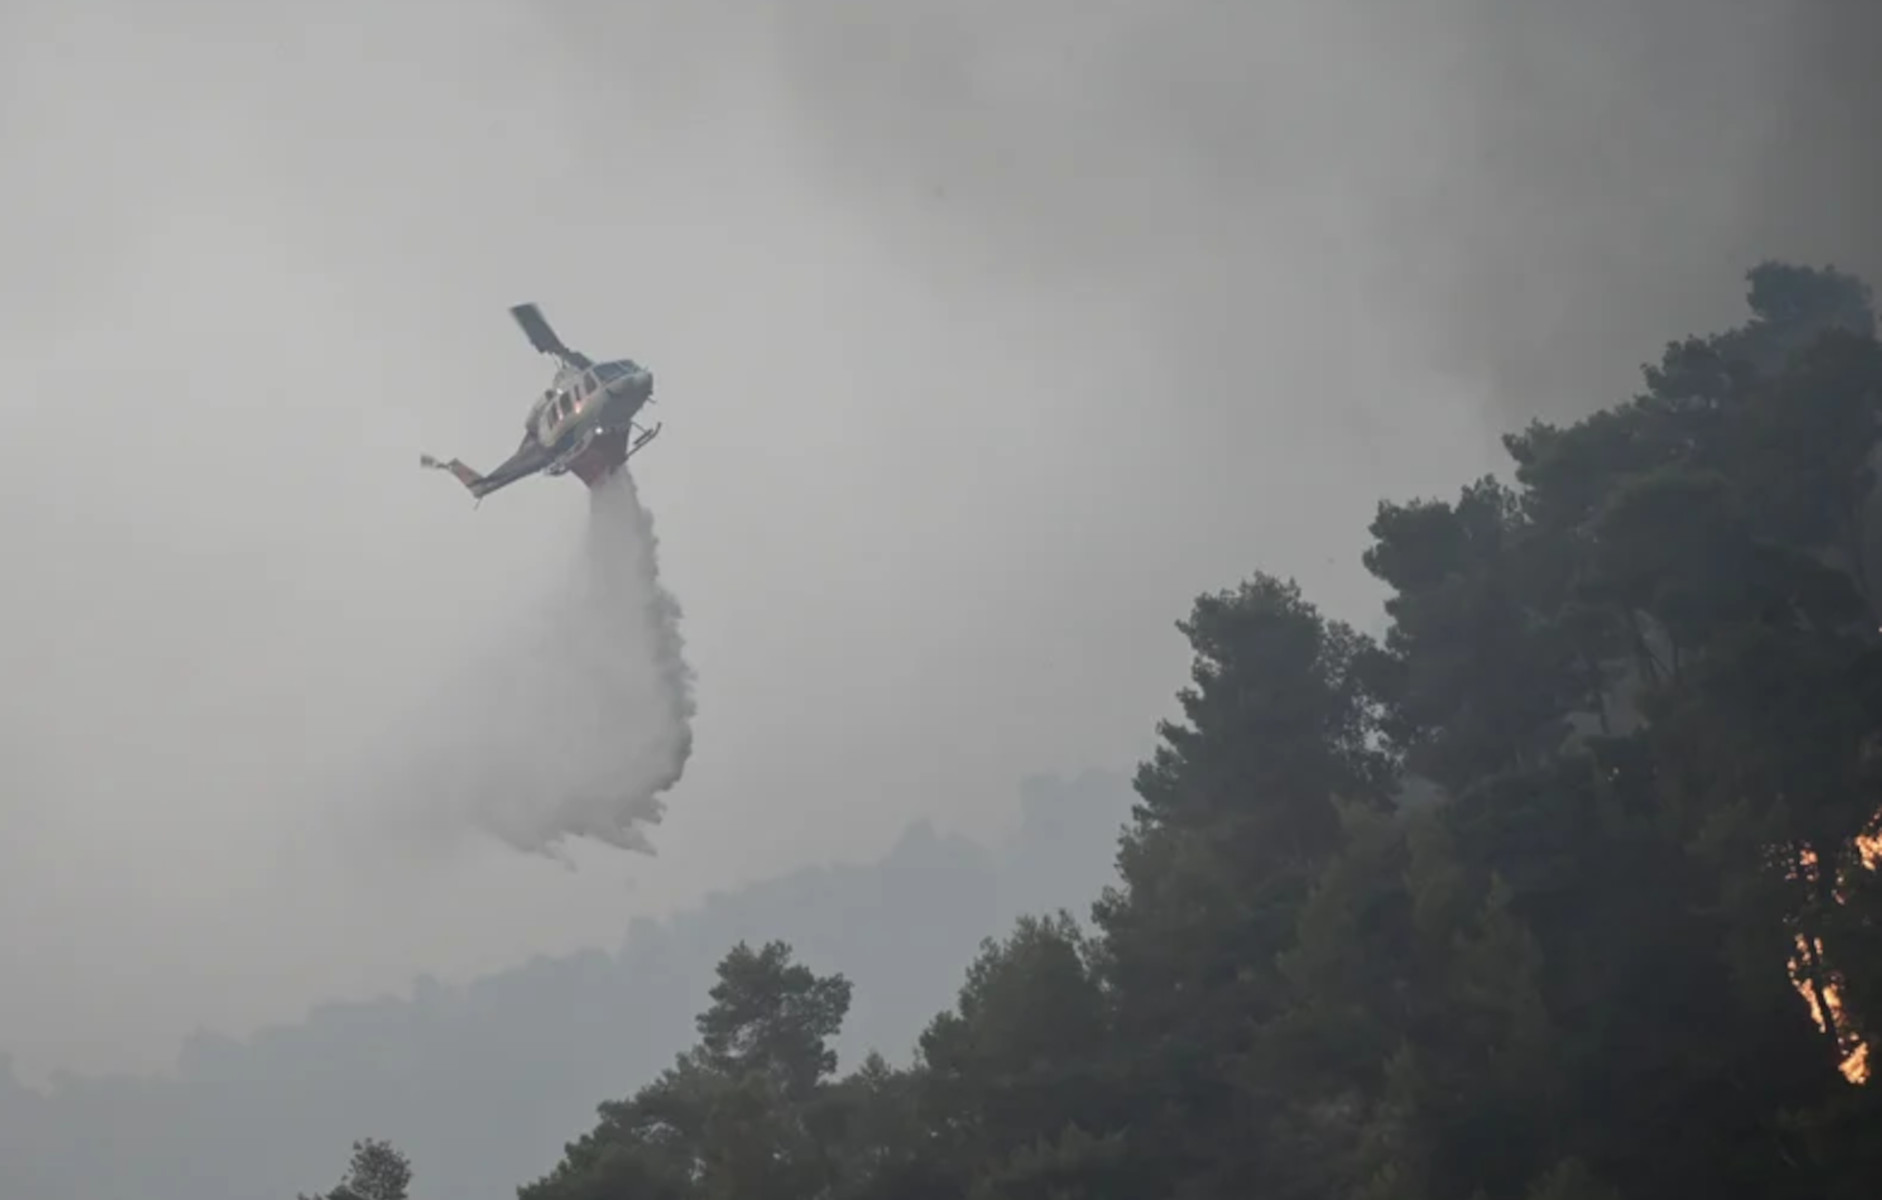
[601, 457]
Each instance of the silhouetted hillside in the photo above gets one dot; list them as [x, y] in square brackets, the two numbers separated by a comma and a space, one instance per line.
[484, 1083]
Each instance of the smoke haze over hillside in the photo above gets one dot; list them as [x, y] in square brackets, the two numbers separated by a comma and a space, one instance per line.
[483, 1081]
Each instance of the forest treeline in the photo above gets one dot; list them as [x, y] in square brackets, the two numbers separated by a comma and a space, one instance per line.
[1626, 946]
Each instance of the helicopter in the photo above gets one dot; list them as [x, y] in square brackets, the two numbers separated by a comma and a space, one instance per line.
[582, 423]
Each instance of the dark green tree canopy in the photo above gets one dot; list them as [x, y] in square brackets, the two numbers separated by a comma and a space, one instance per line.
[772, 1016]
[377, 1171]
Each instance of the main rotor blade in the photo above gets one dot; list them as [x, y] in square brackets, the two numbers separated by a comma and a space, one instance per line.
[536, 329]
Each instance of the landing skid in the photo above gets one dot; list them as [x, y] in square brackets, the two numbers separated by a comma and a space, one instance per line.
[646, 435]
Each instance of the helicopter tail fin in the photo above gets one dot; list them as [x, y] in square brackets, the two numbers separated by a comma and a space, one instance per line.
[465, 475]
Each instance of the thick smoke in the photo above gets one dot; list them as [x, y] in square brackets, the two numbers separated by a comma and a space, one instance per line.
[1527, 196]
[582, 719]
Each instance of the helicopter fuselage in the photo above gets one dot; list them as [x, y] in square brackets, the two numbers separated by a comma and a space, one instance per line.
[582, 423]
[585, 417]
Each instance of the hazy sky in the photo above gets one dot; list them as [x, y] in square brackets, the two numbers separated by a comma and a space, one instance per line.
[986, 333]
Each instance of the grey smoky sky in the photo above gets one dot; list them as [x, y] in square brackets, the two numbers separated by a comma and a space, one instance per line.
[987, 334]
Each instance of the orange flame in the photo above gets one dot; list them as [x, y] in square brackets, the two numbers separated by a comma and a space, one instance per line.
[1828, 1012]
